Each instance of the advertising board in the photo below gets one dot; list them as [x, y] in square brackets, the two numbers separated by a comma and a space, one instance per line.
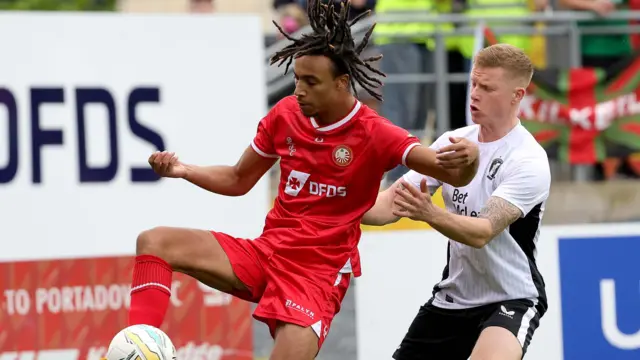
[85, 98]
[71, 309]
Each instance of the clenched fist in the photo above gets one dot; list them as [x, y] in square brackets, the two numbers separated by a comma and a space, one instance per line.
[166, 164]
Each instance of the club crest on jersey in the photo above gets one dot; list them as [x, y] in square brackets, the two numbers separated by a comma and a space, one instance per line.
[342, 155]
[493, 169]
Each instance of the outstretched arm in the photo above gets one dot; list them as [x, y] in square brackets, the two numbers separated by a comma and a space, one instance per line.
[450, 168]
[454, 164]
[522, 188]
[240, 178]
[385, 210]
[496, 216]
[234, 180]
[476, 232]
[382, 211]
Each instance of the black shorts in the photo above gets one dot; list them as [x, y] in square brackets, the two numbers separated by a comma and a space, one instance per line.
[438, 333]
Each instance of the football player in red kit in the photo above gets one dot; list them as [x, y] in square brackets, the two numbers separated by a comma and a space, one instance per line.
[333, 152]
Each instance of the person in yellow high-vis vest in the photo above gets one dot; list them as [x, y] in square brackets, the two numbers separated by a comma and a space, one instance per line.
[510, 9]
[406, 104]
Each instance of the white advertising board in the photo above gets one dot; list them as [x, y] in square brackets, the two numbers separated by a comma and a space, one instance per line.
[86, 98]
[590, 271]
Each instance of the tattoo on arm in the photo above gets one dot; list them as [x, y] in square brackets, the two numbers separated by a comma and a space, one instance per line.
[500, 214]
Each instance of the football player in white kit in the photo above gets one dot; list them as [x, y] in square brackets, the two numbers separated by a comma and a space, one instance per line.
[492, 296]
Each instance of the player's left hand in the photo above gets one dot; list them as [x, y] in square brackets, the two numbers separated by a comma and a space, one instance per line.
[461, 153]
[413, 203]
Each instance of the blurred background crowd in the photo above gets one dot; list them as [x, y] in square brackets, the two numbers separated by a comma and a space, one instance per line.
[428, 46]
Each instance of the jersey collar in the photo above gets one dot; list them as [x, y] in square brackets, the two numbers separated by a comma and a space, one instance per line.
[340, 123]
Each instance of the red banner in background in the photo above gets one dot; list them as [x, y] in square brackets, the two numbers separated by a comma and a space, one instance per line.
[71, 309]
[635, 38]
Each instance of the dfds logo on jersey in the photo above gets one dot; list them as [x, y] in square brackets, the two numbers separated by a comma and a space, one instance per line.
[600, 281]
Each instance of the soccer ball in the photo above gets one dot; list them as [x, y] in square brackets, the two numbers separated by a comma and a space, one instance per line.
[141, 342]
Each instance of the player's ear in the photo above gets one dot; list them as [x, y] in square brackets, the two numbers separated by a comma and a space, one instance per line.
[518, 95]
[342, 82]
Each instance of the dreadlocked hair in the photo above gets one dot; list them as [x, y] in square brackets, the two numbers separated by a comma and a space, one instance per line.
[332, 37]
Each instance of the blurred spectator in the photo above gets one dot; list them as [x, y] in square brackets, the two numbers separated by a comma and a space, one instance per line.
[292, 13]
[509, 9]
[358, 6]
[201, 6]
[602, 50]
[406, 104]
[455, 64]
[279, 3]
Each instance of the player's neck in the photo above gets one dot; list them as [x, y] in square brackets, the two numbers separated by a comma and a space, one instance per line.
[337, 112]
[496, 131]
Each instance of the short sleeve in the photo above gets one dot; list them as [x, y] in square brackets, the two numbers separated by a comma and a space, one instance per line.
[526, 183]
[263, 142]
[395, 144]
[414, 178]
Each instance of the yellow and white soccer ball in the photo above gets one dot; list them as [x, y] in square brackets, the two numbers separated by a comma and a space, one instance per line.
[141, 342]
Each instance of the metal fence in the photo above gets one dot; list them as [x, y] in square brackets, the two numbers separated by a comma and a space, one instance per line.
[560, 28]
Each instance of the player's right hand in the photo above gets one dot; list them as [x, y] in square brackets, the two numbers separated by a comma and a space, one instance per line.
[461, 153]
[166, 164]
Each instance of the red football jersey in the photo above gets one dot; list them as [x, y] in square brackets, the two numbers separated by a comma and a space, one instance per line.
[330, 176]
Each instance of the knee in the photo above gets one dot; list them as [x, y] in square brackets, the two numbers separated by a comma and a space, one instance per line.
[293, 342]
[152, 242]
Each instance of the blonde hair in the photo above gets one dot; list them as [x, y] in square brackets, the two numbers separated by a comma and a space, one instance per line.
[508, 57]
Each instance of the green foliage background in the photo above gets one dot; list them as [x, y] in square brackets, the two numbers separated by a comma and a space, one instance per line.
[59, 5]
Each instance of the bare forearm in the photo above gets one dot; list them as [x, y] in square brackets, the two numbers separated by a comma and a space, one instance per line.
[424, 161]
[379, 216]
[220, 179]
[466, 174]
[382, 211]
[459, 177]
[470, 231]
[495, 216]
[449, 176]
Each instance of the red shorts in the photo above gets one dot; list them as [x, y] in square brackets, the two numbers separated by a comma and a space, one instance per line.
[281, 290]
